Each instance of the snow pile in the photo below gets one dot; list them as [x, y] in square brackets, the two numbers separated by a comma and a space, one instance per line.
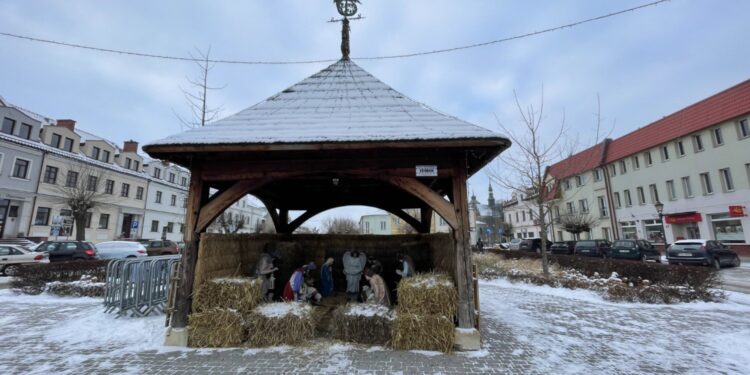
[280, 310]
[87, 286]
[369, 310]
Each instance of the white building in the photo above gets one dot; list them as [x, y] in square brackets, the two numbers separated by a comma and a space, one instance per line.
[166, 200]
[376, 224]
[521, 213]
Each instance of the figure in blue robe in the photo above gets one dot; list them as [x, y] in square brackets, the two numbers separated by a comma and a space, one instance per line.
[326, 278]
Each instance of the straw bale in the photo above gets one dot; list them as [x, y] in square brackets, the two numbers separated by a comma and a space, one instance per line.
[428, 294]
[239, 293]
[364, 324]
[280, 323]
[216, 328]
[423, 332]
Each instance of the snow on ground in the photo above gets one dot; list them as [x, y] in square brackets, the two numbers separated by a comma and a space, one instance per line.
[282, 309]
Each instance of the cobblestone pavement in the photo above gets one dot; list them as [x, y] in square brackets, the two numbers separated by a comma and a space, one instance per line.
[526, 329]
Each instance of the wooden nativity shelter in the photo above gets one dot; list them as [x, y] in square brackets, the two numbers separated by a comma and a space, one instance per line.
[340, 137]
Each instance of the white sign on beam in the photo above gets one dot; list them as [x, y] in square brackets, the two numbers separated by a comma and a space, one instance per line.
[427, 171]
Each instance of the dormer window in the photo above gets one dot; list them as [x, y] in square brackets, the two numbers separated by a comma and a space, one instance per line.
[128, 163]
[136, 165]
[25, 131]
[105, 156]
[157, 173]
[95, 153]
[68, 145]
[171, 177]
[55, 141]
[8, 126]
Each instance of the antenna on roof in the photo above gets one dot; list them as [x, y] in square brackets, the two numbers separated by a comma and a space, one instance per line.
[346, 8]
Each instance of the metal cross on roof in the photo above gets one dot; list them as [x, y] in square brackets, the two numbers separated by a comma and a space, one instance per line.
[346, 8]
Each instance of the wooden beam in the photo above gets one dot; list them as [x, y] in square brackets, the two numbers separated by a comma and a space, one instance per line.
[271, 208]
[284, 221]
[428, 196]
[464, 277]
[211, 210]
[426, 215]
[307, 215]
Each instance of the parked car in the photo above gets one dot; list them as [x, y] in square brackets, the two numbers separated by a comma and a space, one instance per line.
[61, 251]
[504, 246]
[28, 244]
[533, 244]
[702, 252]
[12, 256]
[514, 244]
[563, 247]
[635, 249]
[593, 248]
[160, 247]
[120, 249]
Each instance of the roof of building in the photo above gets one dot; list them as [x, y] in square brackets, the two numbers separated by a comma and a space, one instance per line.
[723, 106]
[86, 136]
[341, 103]
[583, 161]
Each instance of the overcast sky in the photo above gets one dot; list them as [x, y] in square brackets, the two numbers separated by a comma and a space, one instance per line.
[644, 65]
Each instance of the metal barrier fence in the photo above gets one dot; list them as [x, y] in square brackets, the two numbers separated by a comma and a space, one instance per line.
[139, 286]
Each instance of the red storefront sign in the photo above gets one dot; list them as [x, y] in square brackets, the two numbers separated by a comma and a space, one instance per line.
[685, 218]
[737, 211]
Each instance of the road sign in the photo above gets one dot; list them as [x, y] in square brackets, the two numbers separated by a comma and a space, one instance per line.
[134, 225]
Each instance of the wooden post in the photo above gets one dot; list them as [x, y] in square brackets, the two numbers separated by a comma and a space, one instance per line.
[426, 215]
[464, 277]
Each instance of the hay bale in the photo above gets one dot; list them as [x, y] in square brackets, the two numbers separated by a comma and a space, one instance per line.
[238, 293]
[216, 328]
[428, 294]
[364, 324]
[423, 332]
[280, 323]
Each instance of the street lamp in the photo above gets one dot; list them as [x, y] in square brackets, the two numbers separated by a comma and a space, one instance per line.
[660, 210]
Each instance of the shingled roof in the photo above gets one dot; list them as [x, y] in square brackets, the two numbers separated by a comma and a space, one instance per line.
[341, 103]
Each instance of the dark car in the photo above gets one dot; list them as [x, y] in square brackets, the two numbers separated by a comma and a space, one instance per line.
[593, 248]
[563, 247]
[702, 252]
[635, 249]
[61, 251]
[160, 247]
[532, 244]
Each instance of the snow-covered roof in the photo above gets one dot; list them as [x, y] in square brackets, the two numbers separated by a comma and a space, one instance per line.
[86, 136]
[341, 103]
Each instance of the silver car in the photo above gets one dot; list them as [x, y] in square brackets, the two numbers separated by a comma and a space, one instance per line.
[12, 256]
[515, 244]
[120, 249]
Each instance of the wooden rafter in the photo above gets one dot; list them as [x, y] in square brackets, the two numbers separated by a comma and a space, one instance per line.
[428, 196]
[211, 210]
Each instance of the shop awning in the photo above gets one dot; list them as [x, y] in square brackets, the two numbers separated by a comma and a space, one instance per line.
[683, 218]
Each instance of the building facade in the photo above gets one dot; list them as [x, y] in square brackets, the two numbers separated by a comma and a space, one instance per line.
[486, 220]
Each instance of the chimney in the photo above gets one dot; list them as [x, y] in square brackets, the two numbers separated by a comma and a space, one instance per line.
[130, 146]
[68, 124]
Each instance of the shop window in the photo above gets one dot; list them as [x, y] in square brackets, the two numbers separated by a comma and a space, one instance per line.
[654, 230]
[13, 211]
[727, 229]
[629, 230]
[42, 216]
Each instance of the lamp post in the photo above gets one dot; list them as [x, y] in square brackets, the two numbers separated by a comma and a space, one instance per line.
[660, 210]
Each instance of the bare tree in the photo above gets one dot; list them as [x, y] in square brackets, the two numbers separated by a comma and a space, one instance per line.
[307, 230]
[81, 191]
[340, 225]
[230, 225]
[197, 96]
[577, 223]
[522, 170]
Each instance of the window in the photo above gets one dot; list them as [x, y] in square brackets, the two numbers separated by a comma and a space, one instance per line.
[21, 168]
[13, 211]
[92, 183]
[629, 230]
[139, 193]
[42, 216]
[579, 181]
[717, 137]
[628, 199]
[671, 192]
[183, 182]
[664, 153]
[743, 128]
[128, 163]
[706, 184]
[557, 212]
[649, 160]
[597, 174]
[55, 142]
[584, 206]
[158, 197]
[636, 162]
[698, 143]
[184, 202]
[382, 225]
[103, 221]
[686, 187]
[680, 148]
[157, 173]
[170, 227]
[95, 153]
[72, 179]
[603, 212]
[171, 177]
[654, 193]
[517, 217]
[523, 215]
[727, 229]
[618, 202]
[87, 220]
[25, 131]
[109, 187]
[68, 146]
[125, 191]
[136, 165]
[173, 200]
[612, 171]
[8, 126]
[567, 184]
[105, 156]
[570, 207]
[726, 179]
[641, 195]
[154, 225]
[623, 167]
[510, 218]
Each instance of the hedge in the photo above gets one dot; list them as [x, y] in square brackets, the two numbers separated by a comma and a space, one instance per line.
[32, 278]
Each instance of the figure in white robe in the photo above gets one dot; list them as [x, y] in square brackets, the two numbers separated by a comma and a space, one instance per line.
[354, 263]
